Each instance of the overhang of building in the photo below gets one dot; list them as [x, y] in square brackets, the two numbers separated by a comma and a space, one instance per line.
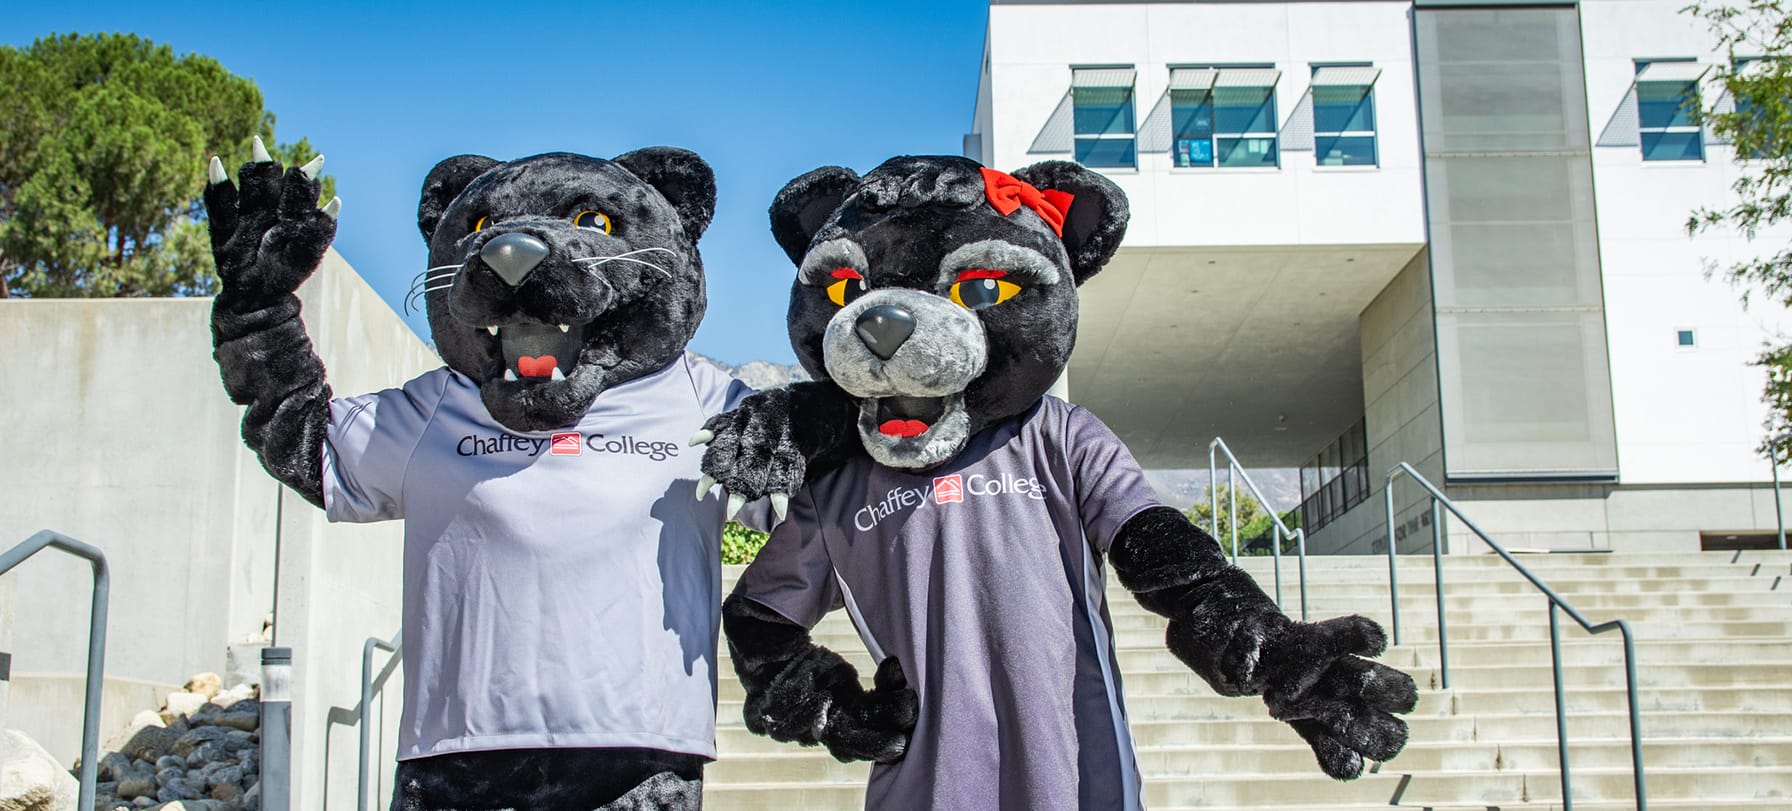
[1259, 345]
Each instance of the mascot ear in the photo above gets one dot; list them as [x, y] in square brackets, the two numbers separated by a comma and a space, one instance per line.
[682, 177]
[445, 182]
[805, 203]
[1096, 221]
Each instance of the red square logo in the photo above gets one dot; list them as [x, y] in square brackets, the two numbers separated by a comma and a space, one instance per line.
[568, 444]
[948, 489]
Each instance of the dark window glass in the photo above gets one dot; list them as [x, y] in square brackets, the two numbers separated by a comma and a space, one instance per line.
[1673, 146]
[1342, 109]
[1244, 109]
[1103, 110]
[1107, 152]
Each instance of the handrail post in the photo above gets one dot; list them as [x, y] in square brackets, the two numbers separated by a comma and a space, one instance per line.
[1275, 551]
[1437, 563]
[1393, 564]
[96, 645]
[366, 760]
[1779, 515]
[1636, 720]
[276, 729]
[1232, 509]
[1300, 538]
[1555, 654]
[1213, 497]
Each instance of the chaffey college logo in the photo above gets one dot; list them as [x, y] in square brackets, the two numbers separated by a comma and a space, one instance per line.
[950, 489]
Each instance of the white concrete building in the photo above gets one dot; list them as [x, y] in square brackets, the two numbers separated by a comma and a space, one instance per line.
[1440, 232]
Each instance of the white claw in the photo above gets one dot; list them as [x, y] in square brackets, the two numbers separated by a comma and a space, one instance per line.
[735, 502]
[312, 167]
[702, 437]
[333, 209]
[557, 374]
[493, 329]
[510, 375]
[703, 486]
[214, 172]
[258, 151]
[564, 328]
[781, 504]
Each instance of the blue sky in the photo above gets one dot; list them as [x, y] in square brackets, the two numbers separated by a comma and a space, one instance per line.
[764, 92]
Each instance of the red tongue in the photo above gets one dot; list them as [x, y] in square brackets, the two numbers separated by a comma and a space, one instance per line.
[536, 367]
[903, 428]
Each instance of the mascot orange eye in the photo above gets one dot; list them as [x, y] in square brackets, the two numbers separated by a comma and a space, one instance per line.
[850, 285]
[592, 219]
[977, 289]
[480, 225]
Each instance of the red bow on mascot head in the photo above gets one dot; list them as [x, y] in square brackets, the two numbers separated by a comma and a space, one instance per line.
[1008, 193]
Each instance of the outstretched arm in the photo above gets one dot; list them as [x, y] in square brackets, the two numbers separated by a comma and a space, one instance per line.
[1222, 625]
[267, 239]
[777, 439]
[800, 692]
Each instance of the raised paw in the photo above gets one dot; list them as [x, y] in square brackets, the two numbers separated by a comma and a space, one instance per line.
[752, 453]
[269, 235]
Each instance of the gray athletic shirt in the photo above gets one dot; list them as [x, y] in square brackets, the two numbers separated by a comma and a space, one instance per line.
[560, 587]
[981, 578]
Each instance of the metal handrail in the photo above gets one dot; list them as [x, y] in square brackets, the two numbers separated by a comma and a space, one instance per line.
[392, 646]
[96, 644]
[1234, 472]
[1557, 604]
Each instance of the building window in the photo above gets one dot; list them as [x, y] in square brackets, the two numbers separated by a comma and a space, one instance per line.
[1344, 115]
[1667, 103]
[1335, 480]
[1224, 117]
[1685, 338]
[1103, 112]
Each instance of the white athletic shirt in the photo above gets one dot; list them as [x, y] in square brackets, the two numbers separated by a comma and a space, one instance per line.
[561, 588]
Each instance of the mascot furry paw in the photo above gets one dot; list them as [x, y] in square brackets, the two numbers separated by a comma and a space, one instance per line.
[968, 545]
[560, 583]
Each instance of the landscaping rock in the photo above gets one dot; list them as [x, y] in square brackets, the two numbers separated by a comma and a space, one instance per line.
[204, 684]
[33, 780]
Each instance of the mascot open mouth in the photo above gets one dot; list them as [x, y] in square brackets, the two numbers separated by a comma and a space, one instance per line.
[913, 433]
[905, 417]
[538, 352]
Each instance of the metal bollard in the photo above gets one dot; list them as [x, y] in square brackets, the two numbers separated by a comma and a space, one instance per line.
[276, 729]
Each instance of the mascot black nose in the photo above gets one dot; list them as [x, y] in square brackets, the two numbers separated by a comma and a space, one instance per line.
[884, 328]
[513, 255]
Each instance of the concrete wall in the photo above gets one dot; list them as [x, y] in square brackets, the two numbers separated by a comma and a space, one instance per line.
[122, 437]
[1400, 398]
[1031, 50]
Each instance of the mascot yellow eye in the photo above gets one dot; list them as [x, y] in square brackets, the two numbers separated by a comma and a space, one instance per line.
[592, 219]
[977, 289]
[849, 285]
[480, 226]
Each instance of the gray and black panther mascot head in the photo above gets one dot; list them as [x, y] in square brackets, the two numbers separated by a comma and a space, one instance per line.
[939, 337]
[555, 277]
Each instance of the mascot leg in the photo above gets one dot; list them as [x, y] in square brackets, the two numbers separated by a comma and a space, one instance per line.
[551, 780]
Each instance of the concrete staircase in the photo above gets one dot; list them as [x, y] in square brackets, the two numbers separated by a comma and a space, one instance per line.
[1715, 674]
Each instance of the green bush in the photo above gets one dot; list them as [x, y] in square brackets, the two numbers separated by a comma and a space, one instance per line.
[740, 544]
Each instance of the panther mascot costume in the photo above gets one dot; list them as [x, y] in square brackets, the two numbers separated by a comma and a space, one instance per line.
[968, 541]
[561, 587]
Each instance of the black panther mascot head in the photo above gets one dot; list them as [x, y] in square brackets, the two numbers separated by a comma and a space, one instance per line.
[555, 277]
[940, 336]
